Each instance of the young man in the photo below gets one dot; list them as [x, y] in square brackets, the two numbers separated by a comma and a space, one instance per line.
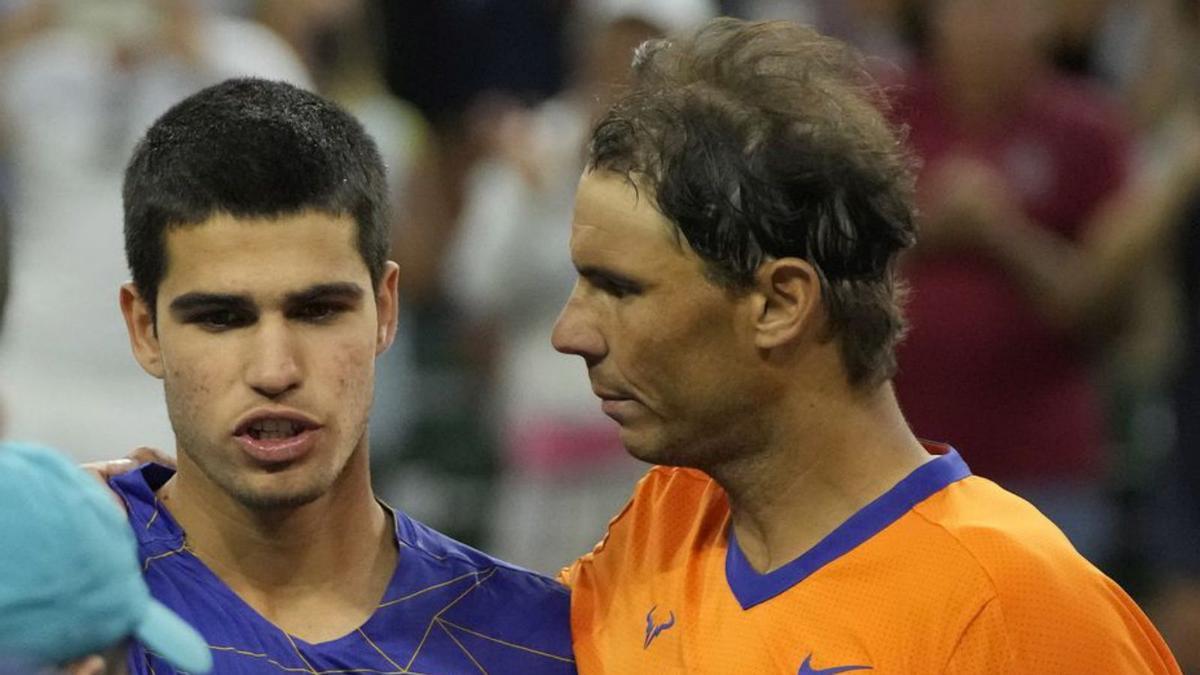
[71, 588]
[261, 296]
[736, 234]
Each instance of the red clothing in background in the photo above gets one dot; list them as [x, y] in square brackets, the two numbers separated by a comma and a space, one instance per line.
[981, 368]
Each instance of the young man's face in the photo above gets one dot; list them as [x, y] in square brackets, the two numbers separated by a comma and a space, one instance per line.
[668, 351]
[267, 333]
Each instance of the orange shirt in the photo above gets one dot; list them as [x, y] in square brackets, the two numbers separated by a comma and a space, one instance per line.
[945, 573]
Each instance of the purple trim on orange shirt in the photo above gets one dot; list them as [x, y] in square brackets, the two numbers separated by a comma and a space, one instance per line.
[751, 588]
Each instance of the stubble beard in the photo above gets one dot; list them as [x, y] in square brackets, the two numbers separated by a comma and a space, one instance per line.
[226, 479]
[219, 471]
[724, 438]
[222, 473]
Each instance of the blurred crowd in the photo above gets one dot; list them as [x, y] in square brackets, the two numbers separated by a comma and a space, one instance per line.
[1054, 294]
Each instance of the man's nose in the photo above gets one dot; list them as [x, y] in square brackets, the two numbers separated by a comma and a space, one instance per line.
[576, 331]
[274, 365]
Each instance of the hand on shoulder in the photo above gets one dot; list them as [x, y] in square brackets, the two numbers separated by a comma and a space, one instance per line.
[108, 469]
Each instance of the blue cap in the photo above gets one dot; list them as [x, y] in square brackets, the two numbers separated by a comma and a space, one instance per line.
[70, 581]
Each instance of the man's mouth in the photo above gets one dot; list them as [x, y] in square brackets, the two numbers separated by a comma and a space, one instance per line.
[615, 403]
[277, 437]
[273, 428]
[270, 427]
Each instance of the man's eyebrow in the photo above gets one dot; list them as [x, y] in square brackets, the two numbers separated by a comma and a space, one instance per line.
[341, 290]
[198, 300]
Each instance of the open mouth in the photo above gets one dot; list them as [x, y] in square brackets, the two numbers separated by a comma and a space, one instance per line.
[270, 429]
[276, 438]
[267, 428]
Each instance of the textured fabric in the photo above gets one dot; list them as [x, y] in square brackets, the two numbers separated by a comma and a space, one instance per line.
[945, 573]
[447, 609]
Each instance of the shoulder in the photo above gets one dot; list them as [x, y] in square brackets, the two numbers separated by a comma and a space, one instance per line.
[672, 510]
[138, 491]
[663, 481]
[1046, 604]
[664, 501]
[490, 599]
[1007, 539]
[454, 559]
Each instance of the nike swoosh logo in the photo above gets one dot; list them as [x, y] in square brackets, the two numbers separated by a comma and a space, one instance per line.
[807, 669]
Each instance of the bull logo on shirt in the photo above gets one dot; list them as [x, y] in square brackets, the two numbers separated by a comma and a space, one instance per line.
[653, 629]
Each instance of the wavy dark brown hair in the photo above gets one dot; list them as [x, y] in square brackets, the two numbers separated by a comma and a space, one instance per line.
[767, 140]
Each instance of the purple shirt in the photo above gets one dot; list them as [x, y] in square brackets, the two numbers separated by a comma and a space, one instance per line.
[447, 609]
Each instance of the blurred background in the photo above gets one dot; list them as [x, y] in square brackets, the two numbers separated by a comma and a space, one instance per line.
[1055, 299]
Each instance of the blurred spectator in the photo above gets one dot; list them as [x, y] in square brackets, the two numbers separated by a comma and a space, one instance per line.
[1016, 162]
[872, 26]
[1137, 47]
[1155, 225]
[1176, 522]
[1075, 38]
[509, 272]
[800, 11]
[75, 93]
[1172, 222]
[443, 53]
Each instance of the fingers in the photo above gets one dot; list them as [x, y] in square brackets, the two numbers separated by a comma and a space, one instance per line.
[102, 471]
[106, 470]
[89, 665]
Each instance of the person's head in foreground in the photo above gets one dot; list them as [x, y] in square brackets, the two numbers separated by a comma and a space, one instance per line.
[256, 234]
[71, 588]
[736, 233]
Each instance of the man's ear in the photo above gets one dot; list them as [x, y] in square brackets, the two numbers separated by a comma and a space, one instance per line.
[789, 294]
[387, 307]
[143, 338]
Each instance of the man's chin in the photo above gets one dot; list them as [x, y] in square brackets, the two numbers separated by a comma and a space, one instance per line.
[275, 498]
[651, 451]
[276, 501]
[667, 450]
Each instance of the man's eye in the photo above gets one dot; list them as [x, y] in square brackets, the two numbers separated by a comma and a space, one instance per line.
[616, 288]
[317, 312]
[219, 320]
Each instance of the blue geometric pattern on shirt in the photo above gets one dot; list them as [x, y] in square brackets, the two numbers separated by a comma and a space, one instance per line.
[447, 609]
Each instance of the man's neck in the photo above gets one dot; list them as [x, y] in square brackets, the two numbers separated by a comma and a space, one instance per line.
[331, 558]
[820, 468]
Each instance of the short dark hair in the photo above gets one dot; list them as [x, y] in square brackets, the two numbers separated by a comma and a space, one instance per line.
[768, 140]
[250, 148]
